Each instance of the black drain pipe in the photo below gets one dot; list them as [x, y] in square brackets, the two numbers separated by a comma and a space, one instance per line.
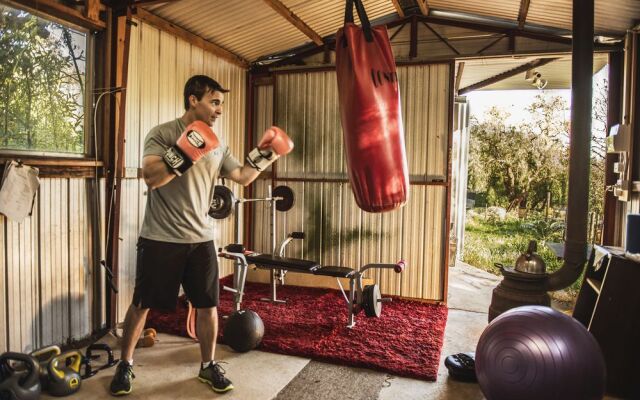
[575, 251]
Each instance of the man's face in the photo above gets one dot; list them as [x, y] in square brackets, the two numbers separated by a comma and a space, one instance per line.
[209, 108]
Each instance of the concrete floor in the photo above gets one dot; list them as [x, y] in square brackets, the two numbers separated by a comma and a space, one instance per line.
[168, 369]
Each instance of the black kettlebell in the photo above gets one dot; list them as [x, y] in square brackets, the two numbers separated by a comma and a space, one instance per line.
[19, 385]
[44, 357]
[64, 373]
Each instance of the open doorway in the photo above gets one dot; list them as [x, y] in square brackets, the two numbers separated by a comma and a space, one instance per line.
[510, 160]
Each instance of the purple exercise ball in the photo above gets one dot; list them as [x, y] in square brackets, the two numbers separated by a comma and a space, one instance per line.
[538, 353]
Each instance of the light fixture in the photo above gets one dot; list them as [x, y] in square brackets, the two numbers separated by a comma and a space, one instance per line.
[536, 79]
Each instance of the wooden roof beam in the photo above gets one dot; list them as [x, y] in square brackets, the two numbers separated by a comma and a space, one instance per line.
[507, 74]
[522, 14]
[196, 40]
[59, 10]
[399, 10]
[295, 20]
[92, 10]
[424, 6]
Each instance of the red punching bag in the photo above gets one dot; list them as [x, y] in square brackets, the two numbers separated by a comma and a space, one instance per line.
[370, 114]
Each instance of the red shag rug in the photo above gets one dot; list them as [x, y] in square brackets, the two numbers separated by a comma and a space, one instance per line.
[405, 341]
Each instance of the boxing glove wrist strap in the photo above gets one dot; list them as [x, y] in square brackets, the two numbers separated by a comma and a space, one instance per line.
[261, 159]
[176, 160]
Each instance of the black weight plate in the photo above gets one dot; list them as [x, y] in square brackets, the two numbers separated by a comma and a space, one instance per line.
[288, 198]
[222, 203]
[371, 301]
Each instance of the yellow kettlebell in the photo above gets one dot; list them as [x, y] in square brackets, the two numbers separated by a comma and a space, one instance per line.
[64, 373]
[44, 357]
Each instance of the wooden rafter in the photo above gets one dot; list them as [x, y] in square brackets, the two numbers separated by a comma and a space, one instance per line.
[399, 10]
[459, 75]
[196, 40]
[522, 14]
[92, 10]
[63, 12]
[424, 6]
[295, 20]
[507, 74]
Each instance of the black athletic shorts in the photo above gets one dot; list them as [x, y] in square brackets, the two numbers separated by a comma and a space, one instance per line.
[162, 267]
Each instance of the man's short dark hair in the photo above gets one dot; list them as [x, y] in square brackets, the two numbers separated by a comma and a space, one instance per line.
[198, 85]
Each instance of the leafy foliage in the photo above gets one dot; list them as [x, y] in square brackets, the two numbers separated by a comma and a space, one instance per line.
[42, 82]
[544, 230]
[518, 165]
[488, 242]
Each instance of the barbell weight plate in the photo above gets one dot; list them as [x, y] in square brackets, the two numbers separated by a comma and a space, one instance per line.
[222, 202]
[371, 301]
[288, 198]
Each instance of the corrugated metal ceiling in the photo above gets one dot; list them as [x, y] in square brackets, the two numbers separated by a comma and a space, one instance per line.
[252, 29]
[556, 73]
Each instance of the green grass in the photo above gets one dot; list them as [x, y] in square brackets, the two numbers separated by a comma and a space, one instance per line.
[489, 241]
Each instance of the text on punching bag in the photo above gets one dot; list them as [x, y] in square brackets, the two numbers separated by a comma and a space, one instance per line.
[381, 77]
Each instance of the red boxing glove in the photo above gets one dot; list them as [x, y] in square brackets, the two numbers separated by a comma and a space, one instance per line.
[197, 140]
[274, 143]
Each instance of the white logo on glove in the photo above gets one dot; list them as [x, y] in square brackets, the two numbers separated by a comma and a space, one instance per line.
[195, 139]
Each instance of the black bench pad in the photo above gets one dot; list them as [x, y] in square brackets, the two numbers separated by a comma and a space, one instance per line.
[338, 272]
[291, 264]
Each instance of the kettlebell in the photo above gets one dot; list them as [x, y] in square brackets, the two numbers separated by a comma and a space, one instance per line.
[64, 376]
[19, 385]
[44, 357]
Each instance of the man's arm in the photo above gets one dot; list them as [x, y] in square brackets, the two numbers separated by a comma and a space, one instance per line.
[155, 172]
[244, 175]
[274, 143]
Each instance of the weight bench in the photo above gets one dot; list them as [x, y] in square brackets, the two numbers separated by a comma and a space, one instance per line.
[359, 298]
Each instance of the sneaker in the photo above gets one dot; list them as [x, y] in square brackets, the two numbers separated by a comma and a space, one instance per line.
[121, 382]
[214, 376]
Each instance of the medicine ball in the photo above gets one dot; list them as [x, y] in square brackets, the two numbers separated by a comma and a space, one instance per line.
[243, 331]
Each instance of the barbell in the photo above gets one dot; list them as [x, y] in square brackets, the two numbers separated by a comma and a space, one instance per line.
[224, 200]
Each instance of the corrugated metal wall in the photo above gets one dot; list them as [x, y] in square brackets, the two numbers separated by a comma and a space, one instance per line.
[337, 231]
[46, 268]
[159, 66]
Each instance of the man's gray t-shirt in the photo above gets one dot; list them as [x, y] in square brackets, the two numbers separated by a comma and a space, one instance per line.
[178, 211]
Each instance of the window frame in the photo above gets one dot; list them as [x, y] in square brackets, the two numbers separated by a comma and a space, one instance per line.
[46, 159]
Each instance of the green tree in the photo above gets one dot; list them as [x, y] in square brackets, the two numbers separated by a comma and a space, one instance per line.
[42, 84]
[518, 164]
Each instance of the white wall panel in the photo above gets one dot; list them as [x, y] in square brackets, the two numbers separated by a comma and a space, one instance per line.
[46, 267]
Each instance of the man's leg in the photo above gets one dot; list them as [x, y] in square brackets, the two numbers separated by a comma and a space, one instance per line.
[159, 269]
[207, 331]
[201, 285]
[133, 326]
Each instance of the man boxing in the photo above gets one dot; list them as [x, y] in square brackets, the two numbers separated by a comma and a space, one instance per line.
[182, 160]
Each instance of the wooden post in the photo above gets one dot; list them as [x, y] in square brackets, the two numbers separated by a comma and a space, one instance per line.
[121, 34]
